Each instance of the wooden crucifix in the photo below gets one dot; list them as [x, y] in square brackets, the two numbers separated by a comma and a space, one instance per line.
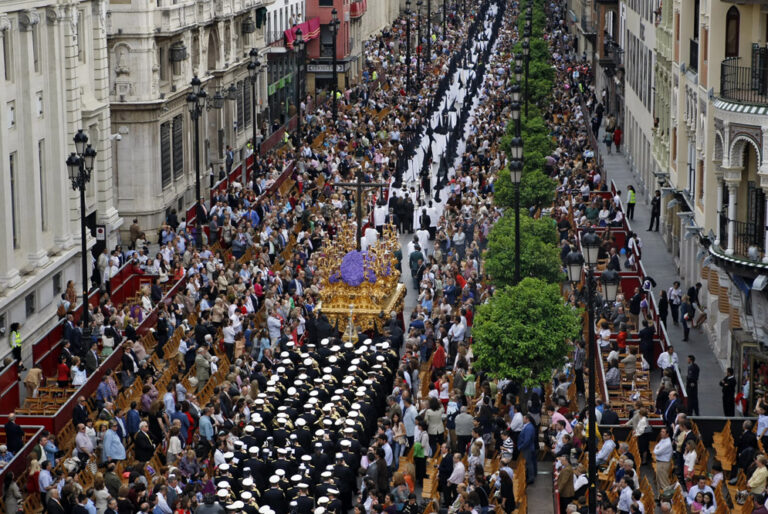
[359, 186]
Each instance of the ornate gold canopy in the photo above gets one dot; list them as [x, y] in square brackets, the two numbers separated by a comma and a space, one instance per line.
[360, 285]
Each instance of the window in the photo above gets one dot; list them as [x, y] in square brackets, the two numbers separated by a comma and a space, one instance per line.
[30, 304]
[7, 56]
[165, 153]
[246, 104]
[57, 284]
[732, 32]
[240, 114]
[161, 64]
[81, 37]
[14, 202]
[325, 3]
[178, 146]
[700, 180]
[41, 171]
[36, 48]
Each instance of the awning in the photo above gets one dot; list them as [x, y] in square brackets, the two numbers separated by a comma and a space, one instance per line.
[744, 285]
[309, 30]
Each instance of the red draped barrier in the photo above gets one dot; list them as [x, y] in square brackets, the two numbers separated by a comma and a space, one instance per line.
[310, 30]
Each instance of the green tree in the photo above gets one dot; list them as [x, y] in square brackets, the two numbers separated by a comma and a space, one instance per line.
[521, 333]
[539, 256]
[536, 188]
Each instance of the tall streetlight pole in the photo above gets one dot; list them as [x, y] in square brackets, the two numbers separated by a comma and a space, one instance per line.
[254, 67]
[198, 100]
[445, 15]
[408, 46]
[419, 3]
[334, 32]
[298, 47]
[429, 30]
[516, 172]
[527, 53]
[80, 166]
[575, 261]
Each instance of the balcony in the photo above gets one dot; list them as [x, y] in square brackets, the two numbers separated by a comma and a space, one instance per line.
[748, 244]
[743, 84]
[358, 8]
[588, 25]
[172, 18]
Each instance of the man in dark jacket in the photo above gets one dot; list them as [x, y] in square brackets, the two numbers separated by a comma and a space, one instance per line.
[80, 412]
[144, 448]
[14, 434]
[746, 448]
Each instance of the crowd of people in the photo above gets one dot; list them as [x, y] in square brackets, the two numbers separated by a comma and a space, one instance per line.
[304, 422]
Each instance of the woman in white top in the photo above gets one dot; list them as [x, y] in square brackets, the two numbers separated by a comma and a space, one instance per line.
[689, 461]
[174, 445]
[604, 335]
[146, 302]
[78, 372]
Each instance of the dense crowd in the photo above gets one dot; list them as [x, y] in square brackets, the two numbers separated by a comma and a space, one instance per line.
[304, 422]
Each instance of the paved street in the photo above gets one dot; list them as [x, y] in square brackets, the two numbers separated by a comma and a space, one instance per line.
[660, 264]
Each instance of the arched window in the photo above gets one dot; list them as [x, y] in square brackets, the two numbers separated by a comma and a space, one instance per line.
[732, 32]
[213, 50]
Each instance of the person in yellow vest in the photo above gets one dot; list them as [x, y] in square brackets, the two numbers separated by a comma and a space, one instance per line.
[375, 75]
[15, 341]
[631, 202]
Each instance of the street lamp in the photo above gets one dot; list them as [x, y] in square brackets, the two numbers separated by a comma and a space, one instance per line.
[254, 67]
[445, 15]
[408, 46]
[334, 32]
[298, 47]
[515, 89]
[526, 55]
[575, 261]
[515, 175]
[80, 166]
[197, 100]
[419, 3]
[429, 30]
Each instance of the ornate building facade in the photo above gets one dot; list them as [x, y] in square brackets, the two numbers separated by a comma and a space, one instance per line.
[156, 47]
[54, 80]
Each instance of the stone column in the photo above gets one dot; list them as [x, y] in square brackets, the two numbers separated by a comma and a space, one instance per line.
[719, 179]
[764, 185]
[58, 141]
[733, 188]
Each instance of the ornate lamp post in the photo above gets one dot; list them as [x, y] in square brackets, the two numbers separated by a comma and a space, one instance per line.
[80, 166]
[575, 261]
[516, 174]
[334, 32]
[429, 30]
[298, 47]
[445, 16]
[254, 67]
[419, 3]
[197, 101]
[408, 46]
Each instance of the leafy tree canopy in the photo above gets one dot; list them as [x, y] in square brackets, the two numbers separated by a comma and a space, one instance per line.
[539, 255]
[521, 333]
